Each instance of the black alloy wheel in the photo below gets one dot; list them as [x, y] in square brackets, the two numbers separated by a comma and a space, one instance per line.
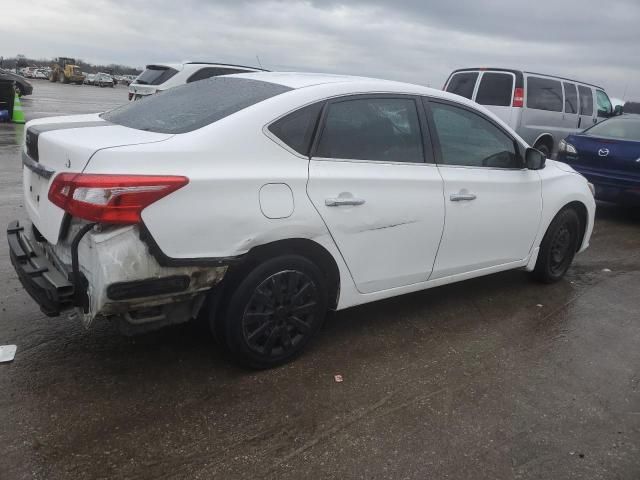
[280, 313]
[273, 311]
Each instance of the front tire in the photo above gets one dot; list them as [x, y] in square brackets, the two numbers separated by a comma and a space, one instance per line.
[274, 311]
[558, 247]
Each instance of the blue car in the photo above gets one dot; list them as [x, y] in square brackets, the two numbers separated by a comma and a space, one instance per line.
[608, 154]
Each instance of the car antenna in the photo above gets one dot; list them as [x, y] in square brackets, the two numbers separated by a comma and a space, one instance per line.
[259, 62]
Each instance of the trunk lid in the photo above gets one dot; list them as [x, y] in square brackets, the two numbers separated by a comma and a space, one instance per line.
[66, 144]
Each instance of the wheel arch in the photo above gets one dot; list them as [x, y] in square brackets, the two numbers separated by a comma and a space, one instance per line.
[583, 215]
[547, 139]
[300, 246]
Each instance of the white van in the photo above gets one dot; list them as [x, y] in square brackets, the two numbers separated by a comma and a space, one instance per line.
[542, 109]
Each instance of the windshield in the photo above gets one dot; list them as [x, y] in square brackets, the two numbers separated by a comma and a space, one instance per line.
[194, 105]
[626, 127]
[155, 75]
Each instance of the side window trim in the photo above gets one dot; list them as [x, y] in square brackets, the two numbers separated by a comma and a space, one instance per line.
[435, 140]
[426, 149]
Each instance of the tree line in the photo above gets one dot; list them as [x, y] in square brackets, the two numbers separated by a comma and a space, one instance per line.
[21, 61]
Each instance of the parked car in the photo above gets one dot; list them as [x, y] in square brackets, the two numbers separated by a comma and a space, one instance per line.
[156, 78]
[272, 197]
[41, 75]
[103, 80]
[608, 155]
[90, 79]
[632, 107]
[542, 109]
[22, 86]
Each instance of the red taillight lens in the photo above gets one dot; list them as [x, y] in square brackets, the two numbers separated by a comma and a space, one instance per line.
[518, 97]
[110, 198]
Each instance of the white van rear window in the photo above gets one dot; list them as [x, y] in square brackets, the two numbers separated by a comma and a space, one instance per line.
[495, 89]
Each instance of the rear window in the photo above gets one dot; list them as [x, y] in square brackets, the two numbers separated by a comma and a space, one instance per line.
[544, 94]
[495, 89]
[623, 128]
[586, 100]
[155, 75]
[462, 84]
[194, 105]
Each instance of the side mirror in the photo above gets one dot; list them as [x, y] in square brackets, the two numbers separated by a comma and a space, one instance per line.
[534, 159]
[617, 110]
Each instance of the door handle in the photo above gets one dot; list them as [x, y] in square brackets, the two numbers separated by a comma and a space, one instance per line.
[459, 197]
[343, 201]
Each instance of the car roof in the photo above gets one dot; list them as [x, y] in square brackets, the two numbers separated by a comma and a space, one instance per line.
[181, 65]
[498, 69]
[296, 80]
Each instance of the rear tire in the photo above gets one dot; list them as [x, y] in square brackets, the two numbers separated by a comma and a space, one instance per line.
[270, 315]
[544, 148]
[558, 247]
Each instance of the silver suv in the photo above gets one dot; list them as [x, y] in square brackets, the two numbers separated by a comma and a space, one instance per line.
[542, 109]
[158, 77]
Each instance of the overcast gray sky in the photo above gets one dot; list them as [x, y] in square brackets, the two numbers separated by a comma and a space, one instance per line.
[419, 41]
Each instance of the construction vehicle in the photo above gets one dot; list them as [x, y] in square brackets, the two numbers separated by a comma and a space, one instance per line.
[64, 70]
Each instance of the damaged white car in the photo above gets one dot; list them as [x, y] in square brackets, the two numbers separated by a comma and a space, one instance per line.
[273, 197]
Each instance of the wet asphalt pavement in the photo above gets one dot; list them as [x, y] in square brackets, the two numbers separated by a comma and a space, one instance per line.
[493, 378]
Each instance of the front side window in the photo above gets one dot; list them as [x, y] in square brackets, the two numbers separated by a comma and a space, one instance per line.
[604, 104]
[586, 100]
[570, 98]
[544, 94]
[471, 140]
[463, 84]
[382, 129]
[495, 89]
[296, 129]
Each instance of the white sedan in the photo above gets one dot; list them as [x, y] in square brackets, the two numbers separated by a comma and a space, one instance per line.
[273, 197]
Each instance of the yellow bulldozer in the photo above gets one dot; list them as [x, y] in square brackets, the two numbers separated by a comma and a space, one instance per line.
[64, 70]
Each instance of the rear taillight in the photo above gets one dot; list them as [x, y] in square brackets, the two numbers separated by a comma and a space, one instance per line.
[130, 96]
[518, 97]
[110, 198]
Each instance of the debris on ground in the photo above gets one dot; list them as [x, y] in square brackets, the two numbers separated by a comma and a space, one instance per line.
[7, 353]
[338, 378]
[606, 270]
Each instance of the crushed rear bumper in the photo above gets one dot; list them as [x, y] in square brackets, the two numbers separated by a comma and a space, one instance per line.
[50, 288]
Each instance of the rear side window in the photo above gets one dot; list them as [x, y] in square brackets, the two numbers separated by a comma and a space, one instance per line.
[586, 100]
[463, 84]
[296, 129]
[209, 72]
[495, 89]
[544, 94]
[382, 129]
[570, 98]
[189, 107]
[155, 75]
[471, 140]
